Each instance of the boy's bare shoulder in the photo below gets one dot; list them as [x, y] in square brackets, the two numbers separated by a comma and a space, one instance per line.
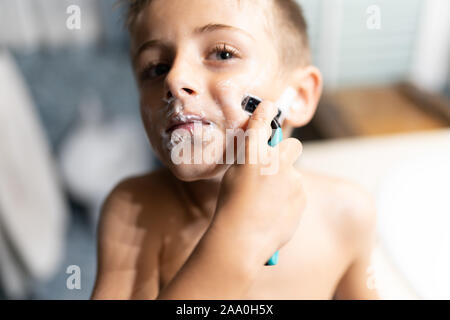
[140, 200]
[143, 188]
[345, 206]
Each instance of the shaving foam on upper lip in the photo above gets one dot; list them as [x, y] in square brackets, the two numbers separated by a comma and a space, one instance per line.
[172, 106]
[169, 100]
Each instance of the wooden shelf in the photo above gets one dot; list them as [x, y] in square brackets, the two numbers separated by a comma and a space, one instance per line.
[382, 110]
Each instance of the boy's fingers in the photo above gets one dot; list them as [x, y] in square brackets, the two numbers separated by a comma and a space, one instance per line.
[260, 120]
[290, 150]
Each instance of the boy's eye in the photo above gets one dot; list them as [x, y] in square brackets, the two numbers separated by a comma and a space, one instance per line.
[154, 70]
[223, 52]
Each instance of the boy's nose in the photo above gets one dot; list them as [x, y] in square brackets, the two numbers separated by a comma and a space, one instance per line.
[180, 93]
[180, 82]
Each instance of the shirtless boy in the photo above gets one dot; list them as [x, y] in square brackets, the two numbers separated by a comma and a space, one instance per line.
[205, 230]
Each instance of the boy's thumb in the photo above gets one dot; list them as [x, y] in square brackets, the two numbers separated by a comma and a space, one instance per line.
[261, 118]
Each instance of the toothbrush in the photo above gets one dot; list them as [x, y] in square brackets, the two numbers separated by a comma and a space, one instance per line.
[249, 104]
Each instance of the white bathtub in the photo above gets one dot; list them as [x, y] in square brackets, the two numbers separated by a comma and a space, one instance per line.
[409, 176]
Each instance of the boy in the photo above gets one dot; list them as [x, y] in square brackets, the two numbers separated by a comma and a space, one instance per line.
[204, 230]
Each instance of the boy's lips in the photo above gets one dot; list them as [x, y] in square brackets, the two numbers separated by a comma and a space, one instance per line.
[186, 121]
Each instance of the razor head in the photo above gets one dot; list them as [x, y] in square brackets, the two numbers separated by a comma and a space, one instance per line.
[249, 104]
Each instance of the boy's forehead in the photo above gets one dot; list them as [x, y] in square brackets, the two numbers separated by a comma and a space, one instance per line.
[163, 19]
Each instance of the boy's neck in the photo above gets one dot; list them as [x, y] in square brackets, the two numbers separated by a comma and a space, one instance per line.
[201, 196]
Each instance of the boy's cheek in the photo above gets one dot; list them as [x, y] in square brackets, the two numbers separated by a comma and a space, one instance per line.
[256, 80]
[230, 93]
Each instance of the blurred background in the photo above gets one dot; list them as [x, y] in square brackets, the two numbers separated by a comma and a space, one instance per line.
[70, 130]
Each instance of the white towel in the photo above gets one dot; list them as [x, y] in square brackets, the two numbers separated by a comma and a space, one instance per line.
[32, 208]
[29, 24]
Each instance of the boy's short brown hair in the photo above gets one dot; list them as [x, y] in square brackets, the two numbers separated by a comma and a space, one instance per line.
[289, 23]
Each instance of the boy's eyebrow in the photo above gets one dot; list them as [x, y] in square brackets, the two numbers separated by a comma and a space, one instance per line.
[146, 45]
[210, 27]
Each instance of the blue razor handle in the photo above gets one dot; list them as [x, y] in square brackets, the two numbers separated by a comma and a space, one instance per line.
[276, 139]
[249, 104]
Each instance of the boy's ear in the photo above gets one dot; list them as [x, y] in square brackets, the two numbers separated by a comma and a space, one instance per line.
[307, 82]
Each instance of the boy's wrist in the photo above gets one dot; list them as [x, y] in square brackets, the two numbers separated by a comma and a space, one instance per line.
[236, 245]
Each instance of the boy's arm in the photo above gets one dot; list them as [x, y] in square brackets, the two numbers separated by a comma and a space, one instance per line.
[220, 267]
[118, 252]
[217, 268]
[358, 282]
[247, 227]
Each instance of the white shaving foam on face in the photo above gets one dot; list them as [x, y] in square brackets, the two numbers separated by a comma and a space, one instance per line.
[233, 124]
[226, 84]
[228, 87]
[286, 102]
[168, 110]
[170, 140]
[297, 106]
[175, 138]
[169, 100]
[181, 136]
[218, 112]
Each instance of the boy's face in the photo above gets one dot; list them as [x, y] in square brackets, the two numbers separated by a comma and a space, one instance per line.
[207, 56]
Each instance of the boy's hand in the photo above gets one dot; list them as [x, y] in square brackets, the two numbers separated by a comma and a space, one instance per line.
[261, 211]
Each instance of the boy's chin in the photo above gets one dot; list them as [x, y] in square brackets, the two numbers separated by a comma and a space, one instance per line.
[194, 172]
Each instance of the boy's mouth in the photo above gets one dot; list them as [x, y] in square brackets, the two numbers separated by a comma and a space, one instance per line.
[186, 122]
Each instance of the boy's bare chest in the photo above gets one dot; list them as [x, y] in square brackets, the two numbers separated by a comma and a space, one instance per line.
[309, 266]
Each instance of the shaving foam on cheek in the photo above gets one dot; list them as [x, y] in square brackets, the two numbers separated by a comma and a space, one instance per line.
[286, 102]
[231, 89]
[230, 92]
[228, 89]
